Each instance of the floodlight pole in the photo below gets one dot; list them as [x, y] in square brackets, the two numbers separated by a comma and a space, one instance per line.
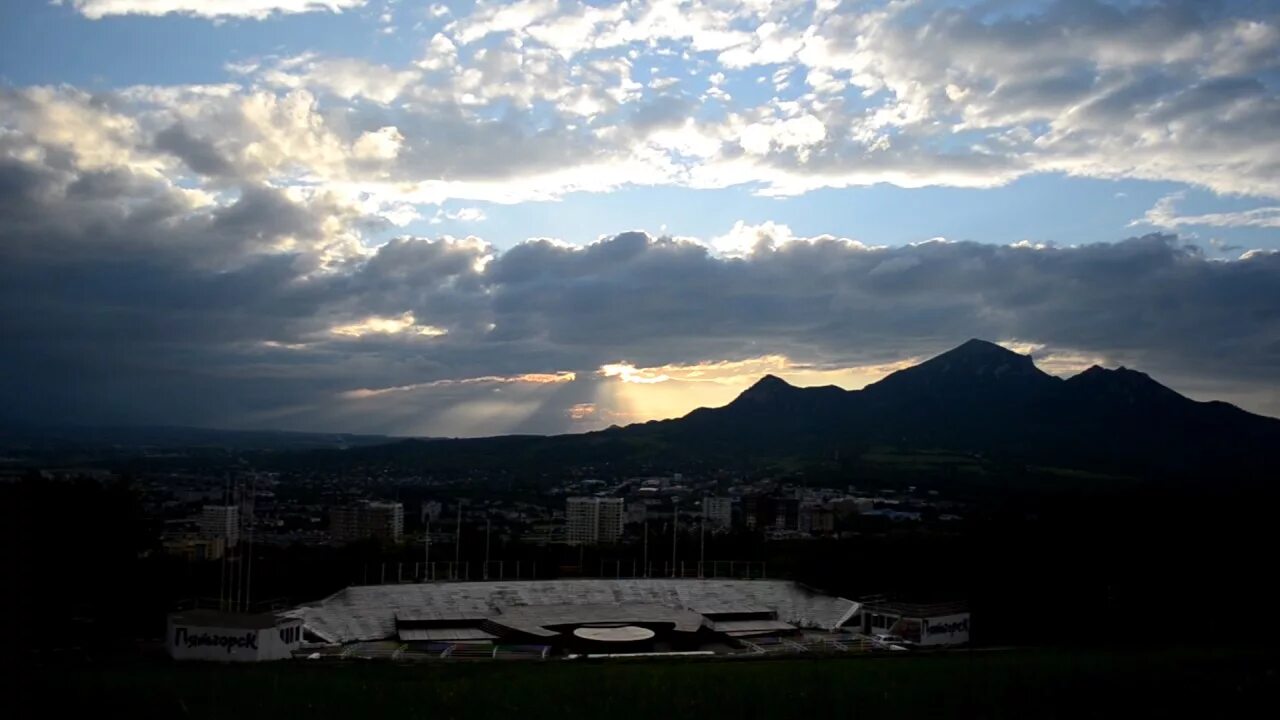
[675, 530]
[253, 510]
[646, 547]
[457, 541]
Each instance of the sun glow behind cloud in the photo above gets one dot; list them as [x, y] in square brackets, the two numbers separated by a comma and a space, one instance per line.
[461, 407]
[375, 325]
[616, 394]
[634, 394]
[526, 378]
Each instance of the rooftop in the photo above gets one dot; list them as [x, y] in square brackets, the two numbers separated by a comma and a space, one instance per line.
[913, 609]
[219, 619]
[540, 619]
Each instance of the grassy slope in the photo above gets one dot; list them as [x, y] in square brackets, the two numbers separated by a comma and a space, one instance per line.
[1001, 684]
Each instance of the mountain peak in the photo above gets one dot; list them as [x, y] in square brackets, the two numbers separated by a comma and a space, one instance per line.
[983, 359]
[1125, 382]
[964, 370]
[765, 389]
[769, 383]
[976, 346]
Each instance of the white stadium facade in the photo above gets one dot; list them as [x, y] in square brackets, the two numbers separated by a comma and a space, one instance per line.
[563, 618]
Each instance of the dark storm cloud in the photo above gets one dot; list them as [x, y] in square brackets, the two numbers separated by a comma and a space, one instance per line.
[126, 301]
[1143, 297]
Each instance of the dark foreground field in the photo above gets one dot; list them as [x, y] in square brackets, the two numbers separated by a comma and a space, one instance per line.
[989, 684]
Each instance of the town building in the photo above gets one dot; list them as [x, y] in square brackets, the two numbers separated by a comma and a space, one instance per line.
[194, 548]
[768, 512]
[381, 520]
[817, 520]
[221, 521]
[917, 623]
[718, 511]
[593, 520]
[232, 637]
[431, 510]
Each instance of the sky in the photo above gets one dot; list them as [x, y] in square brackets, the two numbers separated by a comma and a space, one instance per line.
[543, 216]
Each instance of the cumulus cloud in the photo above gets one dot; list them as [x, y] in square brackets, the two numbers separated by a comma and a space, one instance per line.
[511, 102]
[131, 299]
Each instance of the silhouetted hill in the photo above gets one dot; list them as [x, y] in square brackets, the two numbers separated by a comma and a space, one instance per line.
[978, 398]
[149, 438]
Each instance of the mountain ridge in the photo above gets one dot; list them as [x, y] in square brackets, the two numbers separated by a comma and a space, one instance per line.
[978, 398]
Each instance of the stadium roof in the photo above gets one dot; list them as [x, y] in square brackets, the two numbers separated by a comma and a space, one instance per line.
[745, 628]
[914, 610]
[449, 634]
[220, 619]
[369, 612]
[539, 619]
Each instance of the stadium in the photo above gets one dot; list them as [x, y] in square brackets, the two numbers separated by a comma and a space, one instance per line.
[585, 617]
[565, 618]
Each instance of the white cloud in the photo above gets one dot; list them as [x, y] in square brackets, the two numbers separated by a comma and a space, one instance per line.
[381, 144]
[257, 9]
[441, 53]
[796, 133]
[1165, 214]
[465, 215]
[743, 239]
[498, 17]
[769, 45]
[535, 99]
[346, 78]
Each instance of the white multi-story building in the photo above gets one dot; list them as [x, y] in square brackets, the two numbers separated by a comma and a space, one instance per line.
[221, 521]
[612, 516]
[591, 520]
[581, 516]
[386, 520]
[718, 511]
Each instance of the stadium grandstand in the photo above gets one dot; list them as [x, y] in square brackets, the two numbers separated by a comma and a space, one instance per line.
[541, 618]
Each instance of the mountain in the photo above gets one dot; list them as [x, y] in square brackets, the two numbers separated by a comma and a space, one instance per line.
[968, 371]
[978, 399]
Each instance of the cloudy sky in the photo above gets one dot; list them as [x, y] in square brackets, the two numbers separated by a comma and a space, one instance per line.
[551, 215]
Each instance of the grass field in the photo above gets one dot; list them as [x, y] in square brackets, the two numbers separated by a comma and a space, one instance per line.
[991, 684]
